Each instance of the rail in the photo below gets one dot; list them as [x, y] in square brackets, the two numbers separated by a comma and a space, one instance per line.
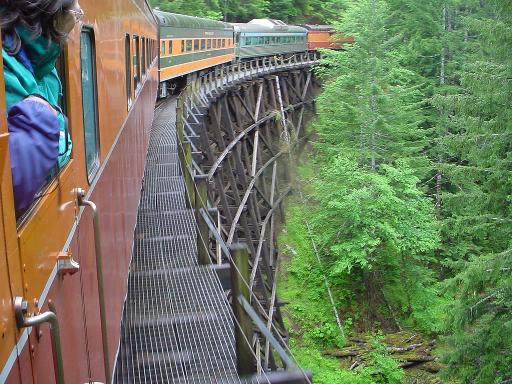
[80, 193]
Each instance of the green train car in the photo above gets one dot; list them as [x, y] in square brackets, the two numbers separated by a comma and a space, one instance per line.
[266, 37]
[189, 44]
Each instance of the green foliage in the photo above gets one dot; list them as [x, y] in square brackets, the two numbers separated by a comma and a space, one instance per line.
[481, 321]
[290, 11]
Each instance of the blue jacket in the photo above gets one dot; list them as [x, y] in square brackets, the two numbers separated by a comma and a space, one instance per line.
[39, 138]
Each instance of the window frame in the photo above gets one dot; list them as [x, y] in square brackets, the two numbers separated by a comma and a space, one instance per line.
[137, 81]
[128, 69]
[91, 170]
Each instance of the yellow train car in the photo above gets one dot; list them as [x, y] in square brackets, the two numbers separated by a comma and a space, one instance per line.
[189, 44]
[48, 255]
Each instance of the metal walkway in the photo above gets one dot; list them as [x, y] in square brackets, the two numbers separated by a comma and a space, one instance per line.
[177, 325]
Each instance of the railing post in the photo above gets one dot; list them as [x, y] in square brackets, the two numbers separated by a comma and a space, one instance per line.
[243, 324]
[189, 182]
[179, 119]
[201, 182]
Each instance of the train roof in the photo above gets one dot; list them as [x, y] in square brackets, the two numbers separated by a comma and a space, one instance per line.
[318, 27]
[267, 26]
[167, 19]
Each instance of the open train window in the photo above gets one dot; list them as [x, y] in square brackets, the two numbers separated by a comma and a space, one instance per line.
[128, 69]
[89, 102]
[136, 62]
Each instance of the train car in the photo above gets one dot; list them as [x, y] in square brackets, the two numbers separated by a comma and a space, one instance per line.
[109, 72]
[189, 44]
[268, 37]
[325, 36]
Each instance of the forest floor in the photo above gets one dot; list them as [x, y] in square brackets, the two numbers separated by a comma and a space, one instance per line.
[341, 356]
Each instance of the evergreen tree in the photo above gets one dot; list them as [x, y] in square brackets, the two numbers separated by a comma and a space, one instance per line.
[376, 227]
[479, 202]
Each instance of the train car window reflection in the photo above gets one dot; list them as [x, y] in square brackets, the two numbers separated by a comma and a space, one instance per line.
[196, 45]
[128, 69]
[209, 44]
[203, 44]
[89, 102]
[162, 49]
[189, 45]
[143, 61]
[136, 63]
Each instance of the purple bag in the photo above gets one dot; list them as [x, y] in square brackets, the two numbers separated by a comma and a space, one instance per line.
[34, 148]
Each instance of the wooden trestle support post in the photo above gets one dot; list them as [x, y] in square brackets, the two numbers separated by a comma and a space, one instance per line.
[247, 130]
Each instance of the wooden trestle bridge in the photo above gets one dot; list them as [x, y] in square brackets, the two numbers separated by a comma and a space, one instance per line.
[202, 303]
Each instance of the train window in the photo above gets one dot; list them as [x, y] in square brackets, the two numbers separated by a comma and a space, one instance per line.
[208, 43]
[162, 49]
[196, 45]
[170, 47]
[89, 102]
[214, 43]
[182, 46]
[128, 68]
[267, 40]
[223, 43]
[136, 62]
[189, 45]
[203, 44]
[143, 61]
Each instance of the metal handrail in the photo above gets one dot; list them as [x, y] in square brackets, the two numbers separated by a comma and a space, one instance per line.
[265, 331]
[80, 193]
[20, 310]
[238, 70]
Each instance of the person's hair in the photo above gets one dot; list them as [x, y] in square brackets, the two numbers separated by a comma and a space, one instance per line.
[38, 16]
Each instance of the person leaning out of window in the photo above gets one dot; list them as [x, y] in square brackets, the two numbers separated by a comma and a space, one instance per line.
[33, 34]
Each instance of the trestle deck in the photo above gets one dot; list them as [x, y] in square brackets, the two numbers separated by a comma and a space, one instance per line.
[177, 325]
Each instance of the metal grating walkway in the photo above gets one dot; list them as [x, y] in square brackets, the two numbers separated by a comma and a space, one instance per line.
[177, 325]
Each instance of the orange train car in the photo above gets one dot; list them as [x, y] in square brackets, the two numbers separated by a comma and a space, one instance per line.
[325, 36]
[109, 71]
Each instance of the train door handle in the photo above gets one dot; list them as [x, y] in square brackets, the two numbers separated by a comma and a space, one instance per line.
[24, 321]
